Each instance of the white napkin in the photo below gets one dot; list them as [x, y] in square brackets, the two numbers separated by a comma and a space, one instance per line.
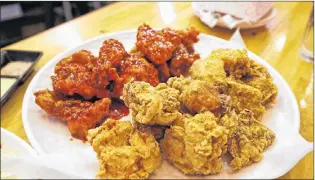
[54, 166]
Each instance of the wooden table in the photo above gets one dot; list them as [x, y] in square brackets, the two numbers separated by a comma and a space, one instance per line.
[277, 43]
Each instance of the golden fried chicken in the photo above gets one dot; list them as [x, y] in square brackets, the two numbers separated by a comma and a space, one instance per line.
[196, 95]
[211, 71]
[113, 51]
[159, 46]
[182, 60]
[259, 78]
[83, 74]
[80, 115]
[196, 144]
[236, 61]
[246, 97]
[248, 139]
[152, 105]
[123, 152]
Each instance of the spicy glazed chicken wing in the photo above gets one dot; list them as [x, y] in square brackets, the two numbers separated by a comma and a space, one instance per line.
[196, 145]
[124, 152]
[80, 115]
[248, 138]
[152, 105]
[83, 74]
[135, 68]
[156, 46]
[159, 46]
[113, 51]
[182, 60]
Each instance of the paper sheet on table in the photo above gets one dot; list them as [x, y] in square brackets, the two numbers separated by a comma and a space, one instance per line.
[288, 148]
[237, 39]
[212, 13]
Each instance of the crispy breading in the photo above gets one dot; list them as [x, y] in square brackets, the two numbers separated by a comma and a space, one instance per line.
[248, 138]
[124, 152]
[246, 97]
[236, 61]
[80, 115]
[259, 77]
[211, 71]
[152, 105]
[196, 144]
[196, 95]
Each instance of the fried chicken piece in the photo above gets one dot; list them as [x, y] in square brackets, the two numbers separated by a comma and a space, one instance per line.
[83, 74]
[113, 51]
[152, 105]
[123, 152]
[259, 78]
[211, 71]
[248, 138]
[158, 46]
[236, 61]
[189, 37]
[80, 115]
[196, 95]
[246, 97]
[182, 60]
[196, 145]
[139, 69]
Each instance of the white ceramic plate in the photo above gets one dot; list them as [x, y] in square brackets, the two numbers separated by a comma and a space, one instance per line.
[49, 135]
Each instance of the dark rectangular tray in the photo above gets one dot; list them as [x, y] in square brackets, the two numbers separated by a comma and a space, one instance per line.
[17, 55]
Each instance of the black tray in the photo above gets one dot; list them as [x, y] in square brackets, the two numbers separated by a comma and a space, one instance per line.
[17, 55]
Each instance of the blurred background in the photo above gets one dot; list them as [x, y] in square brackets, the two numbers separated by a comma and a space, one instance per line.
[20, 20]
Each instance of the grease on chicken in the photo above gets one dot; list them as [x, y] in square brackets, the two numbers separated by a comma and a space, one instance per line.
[196, 144]
[152, 105]
[123, 152]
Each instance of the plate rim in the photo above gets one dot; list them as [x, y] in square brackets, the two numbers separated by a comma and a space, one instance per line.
[37, 147]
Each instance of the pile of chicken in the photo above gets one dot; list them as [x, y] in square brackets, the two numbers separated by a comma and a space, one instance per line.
[197, 120]
[84, 86]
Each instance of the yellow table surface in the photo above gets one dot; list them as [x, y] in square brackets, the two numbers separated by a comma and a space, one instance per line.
[278, 43]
